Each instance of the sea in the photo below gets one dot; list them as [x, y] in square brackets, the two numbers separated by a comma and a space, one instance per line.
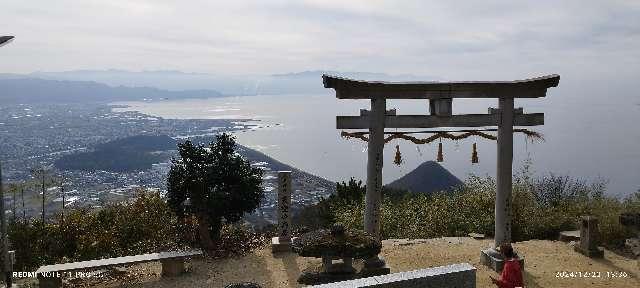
[588, 138]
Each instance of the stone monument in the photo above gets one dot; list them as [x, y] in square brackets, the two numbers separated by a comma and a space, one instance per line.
[589, 235]
[282, 242]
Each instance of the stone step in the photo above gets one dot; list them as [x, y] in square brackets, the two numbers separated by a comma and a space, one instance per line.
[568, 236]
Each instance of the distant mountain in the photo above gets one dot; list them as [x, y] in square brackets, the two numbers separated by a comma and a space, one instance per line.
[353, 75]
[30, 90]
[427, 178]
[305, 82]
[166, 80]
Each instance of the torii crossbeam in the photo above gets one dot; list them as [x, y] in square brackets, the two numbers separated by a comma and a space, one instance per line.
[440, 96]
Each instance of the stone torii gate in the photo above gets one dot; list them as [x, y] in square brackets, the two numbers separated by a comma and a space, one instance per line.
[440, 96]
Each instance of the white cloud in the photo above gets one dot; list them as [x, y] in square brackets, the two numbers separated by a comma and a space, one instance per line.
[470, 39]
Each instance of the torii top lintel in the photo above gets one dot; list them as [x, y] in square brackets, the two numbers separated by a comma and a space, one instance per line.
[357, 89]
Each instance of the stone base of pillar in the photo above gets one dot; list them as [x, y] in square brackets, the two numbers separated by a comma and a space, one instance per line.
[172, 267]
[49, 282]
[329, 272]
[278, 246]
[375, 267]
[494, 260]
[346, 267]
[591, 253]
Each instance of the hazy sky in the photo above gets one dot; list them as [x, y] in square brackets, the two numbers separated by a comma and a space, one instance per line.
[475, 39]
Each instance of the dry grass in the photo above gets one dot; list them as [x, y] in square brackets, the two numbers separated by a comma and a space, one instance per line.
[542, 260]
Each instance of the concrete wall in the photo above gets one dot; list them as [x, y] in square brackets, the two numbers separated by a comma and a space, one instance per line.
[461, 275]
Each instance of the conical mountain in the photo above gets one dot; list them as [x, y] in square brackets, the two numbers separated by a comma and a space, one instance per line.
[427, 178]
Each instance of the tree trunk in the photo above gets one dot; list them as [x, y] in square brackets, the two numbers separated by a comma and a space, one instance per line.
[205, 236]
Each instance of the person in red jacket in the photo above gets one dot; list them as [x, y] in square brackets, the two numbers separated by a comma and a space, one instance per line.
[511, 276]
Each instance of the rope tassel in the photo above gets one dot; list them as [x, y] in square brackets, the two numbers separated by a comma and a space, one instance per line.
[474, 154]
[440, 158]
[398, 159]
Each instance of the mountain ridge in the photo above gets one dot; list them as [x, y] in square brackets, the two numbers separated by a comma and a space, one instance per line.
[30, 90]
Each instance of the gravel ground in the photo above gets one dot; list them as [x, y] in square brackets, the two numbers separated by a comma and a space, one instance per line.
[544, 260]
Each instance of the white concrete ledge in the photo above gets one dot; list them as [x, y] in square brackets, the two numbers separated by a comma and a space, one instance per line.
[461, 275]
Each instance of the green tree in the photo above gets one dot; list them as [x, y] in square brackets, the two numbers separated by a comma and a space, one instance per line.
[218, 182]
[353, 191]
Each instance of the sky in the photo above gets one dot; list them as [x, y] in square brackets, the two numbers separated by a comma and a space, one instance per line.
[483, 40]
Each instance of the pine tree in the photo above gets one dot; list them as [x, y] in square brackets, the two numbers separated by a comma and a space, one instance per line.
[218, 182]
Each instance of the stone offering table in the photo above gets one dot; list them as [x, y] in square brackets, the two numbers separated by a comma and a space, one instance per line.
[333, 244]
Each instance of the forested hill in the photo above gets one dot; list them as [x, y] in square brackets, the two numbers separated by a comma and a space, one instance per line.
[122, 155]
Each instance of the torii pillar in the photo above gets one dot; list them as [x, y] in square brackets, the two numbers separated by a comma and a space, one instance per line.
[375, 148]
[504, 172]
[504, 186]
[373, 197]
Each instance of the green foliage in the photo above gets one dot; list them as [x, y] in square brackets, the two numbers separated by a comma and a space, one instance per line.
[145, 225]
[238, 240]
[350, 192]
[218, 181]
[542, 207]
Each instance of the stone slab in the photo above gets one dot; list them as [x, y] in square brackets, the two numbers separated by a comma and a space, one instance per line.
[591, 253]
[375, 271]
[49, 275]
[476, 236]
[493, 259]
[280, 247]
[118, 261]
[374, 267]
[568, 236]
[461, 275]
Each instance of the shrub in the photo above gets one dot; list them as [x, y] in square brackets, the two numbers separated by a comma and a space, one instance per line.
[541, 208]
[144, 225]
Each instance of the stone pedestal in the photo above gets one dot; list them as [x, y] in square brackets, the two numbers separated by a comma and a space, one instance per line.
[49, 282]
[278, 246]
[345, 267]
[375, 266]
[492, 258]
[633, 244]
[172, 267]
[589, 235]
[329, 272]
[632, 221]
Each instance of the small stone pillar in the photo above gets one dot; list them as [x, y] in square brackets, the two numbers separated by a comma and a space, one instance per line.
[589, 238]
[632, 221]
[282, 243]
